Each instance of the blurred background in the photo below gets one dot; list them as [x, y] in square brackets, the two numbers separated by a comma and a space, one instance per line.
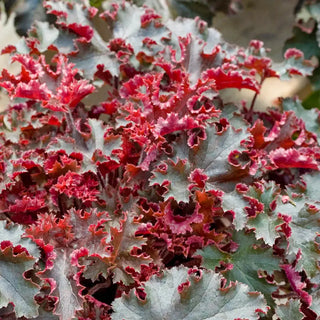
[279, 24]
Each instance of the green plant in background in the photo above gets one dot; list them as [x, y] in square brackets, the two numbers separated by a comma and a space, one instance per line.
[307, 39]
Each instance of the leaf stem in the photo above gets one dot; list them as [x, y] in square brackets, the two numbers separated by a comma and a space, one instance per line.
[101, 180]
[70, 122]
[255, 96]
[74, 132]
[250, 111]
[100, 286]
[61, 209]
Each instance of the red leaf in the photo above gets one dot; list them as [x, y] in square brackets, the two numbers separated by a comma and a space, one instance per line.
[36, 75]
[261, 65]
[148, 17]
[293, 52]
[74, 93]
[31, 65]
[180, 224]
[33, 90]
[258, 130]
[198, 177]
[84, 31]
[225, 77]
[8, 49]
[296, 284]
[72, 184]
[294, 158]
[175, 123]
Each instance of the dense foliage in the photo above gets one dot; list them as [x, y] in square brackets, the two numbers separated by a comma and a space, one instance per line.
[130, 190]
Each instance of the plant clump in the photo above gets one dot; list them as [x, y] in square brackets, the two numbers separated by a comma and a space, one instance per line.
[130, 190]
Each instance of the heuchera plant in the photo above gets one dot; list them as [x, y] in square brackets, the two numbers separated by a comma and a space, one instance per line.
[130, 190]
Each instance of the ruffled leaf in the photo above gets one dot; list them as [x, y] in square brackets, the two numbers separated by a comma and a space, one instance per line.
[234, 202]
[64, 286]
[14, 233]
[175, 179]
[91, 49]
[64, 91]
[212, 156]
[122, 255]
[15, 259]
[250, 260]
[294, 64]
[312, 181]
[99, 147]
[265, 222]
[15, 288]
[128, 24]
[304, 217]
[310, 117]
[294, 158]
[290, 310]
[297, 284]
[180, 294]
